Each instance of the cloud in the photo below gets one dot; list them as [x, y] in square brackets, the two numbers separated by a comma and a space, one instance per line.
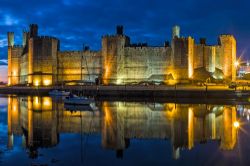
[3, 73]
[9, 20]
[3, 62]
[3, 42]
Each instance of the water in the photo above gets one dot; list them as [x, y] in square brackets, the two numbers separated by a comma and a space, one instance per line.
[41, 131]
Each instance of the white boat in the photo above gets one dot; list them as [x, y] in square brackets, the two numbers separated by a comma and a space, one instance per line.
[75, 100]
[58, 93]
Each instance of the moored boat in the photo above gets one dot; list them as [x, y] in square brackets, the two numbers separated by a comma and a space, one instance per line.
[58, 93]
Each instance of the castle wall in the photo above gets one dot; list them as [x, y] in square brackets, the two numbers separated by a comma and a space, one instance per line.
[24, 69]
[205, 57]
[199, 56]
[71, 62]
[219, 58]
[145, 64]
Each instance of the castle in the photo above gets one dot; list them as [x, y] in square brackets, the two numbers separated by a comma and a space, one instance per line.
[39, 61]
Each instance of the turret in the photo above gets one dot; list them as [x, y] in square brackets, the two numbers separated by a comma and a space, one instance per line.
[33, 30]
[228, 44]
[11, 39]
[119, 30]
[176, 31]
[25, 38]
[203, 41]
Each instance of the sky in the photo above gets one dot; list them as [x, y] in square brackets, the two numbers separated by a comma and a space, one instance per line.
[78, 22]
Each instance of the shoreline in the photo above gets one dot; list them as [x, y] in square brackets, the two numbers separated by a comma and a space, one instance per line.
[137, 91]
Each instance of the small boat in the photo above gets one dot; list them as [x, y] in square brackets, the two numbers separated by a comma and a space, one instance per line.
[76, 100]
[58, 93]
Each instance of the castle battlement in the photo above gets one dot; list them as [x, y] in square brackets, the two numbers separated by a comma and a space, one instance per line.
[47, 37]
[227, 35]
[118, 61]
[79, 51]
[114, 36]
[71, 51]
[146, 47]
[17, 46]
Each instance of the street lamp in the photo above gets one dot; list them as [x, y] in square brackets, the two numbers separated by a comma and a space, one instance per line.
[236, 64]
[236, 124]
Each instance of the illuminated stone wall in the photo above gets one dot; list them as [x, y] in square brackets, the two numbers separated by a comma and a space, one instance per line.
[204, 56]
[183, 54]
[112, 56]
[24, 66]
[70, 64]
[14, 54]
[219, 58]
[145, 64]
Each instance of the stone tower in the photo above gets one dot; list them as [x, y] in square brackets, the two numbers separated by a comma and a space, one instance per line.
[113, 53]
[176, 32]
[228, 46]
[183, 57]
[10, 39]
[14, 54]
[33, 30]
[25, 38]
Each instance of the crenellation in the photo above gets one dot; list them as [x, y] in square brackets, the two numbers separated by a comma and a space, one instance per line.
[17, 46]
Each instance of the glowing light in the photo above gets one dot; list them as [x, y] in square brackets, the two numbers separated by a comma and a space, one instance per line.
[46, 82]
[106, 73]
[36, 100]
[36, 83]
[14, 108]
[46, 101]
[9, 82]
[108, 117]
[172, 82]
[14, 73]
[236, 124]
[119, 80]
[190, 128]
[9, 100]
[236, 64]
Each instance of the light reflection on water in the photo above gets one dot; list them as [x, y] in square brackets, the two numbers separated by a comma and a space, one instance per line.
[40, 130]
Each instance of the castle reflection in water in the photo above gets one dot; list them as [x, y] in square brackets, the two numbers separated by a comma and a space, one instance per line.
[41, 120]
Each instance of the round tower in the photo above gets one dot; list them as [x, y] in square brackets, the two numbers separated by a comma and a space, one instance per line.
[10, 39]
[176, 31]
[25, 38]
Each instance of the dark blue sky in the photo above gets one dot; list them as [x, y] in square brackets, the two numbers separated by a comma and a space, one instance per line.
[76, 22]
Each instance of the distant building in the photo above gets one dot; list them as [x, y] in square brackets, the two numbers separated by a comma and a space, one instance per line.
[244, 69]
[39, 61]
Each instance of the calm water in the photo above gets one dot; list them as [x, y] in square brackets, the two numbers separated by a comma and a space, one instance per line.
[42, 131]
